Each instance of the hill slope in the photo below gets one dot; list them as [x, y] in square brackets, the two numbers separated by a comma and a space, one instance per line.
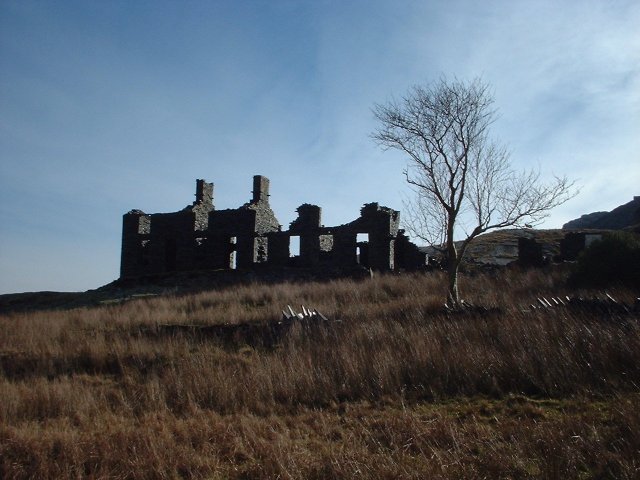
[625, 216]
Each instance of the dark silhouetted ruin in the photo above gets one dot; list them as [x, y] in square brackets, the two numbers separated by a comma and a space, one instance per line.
[199, 237]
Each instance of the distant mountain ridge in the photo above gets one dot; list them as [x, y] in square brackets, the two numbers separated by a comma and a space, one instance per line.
[624, 217]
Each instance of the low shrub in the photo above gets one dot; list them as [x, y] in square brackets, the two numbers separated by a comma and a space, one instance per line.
[613, 260]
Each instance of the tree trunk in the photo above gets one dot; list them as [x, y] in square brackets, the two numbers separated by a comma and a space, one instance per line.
[452, 268]
[452, 297]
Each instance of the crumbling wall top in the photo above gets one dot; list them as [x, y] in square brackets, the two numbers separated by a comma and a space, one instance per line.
[309, 218]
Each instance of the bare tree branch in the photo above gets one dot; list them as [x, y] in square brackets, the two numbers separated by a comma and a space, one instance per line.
[461, 179]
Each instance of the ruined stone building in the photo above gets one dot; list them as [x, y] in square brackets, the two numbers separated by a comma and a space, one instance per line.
[199, 237]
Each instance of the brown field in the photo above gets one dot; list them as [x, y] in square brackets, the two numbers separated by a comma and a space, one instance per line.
[397, 389]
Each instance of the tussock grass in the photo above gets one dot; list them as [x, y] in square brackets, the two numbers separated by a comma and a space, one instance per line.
[397, 389]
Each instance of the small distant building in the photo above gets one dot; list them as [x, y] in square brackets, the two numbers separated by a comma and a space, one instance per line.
[575, 242]
[199, 237]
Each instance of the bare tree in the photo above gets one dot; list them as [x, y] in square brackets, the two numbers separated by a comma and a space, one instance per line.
[463, 182]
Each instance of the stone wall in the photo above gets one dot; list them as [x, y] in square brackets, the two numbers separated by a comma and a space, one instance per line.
[201, 237]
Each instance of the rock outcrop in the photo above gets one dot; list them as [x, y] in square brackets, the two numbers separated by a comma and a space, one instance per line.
[624, 217]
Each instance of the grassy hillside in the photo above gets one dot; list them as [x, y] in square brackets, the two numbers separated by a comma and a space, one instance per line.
[397, 389]
[500, 247]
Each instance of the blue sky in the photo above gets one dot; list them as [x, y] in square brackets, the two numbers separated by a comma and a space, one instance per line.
[106, 106]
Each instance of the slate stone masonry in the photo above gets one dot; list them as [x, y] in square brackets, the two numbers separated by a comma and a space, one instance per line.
[199, 237]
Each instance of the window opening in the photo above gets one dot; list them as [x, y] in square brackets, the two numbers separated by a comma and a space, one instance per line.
[294, 246]
[232, 253]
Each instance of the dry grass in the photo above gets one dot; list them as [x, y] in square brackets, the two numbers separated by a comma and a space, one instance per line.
[396, 390]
